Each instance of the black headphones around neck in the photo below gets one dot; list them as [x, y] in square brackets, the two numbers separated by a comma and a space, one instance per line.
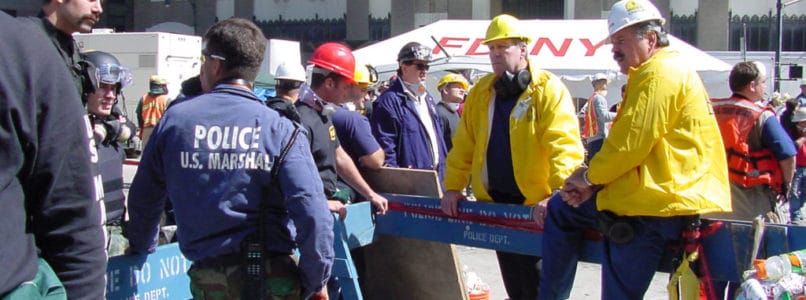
[508, 87]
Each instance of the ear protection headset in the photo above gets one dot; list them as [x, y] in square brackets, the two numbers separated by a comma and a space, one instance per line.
[512, 85]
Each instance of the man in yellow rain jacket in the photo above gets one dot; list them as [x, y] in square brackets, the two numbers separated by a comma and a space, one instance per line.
[662, 165]
[518, 139]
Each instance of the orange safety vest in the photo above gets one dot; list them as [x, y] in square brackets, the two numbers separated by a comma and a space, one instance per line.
[747, 167]
[152, 109]
[590, 128]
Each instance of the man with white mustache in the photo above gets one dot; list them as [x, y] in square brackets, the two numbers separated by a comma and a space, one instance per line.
[662, 166]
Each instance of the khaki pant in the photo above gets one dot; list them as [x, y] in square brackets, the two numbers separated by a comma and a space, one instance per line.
[146, 133]
[748, 203]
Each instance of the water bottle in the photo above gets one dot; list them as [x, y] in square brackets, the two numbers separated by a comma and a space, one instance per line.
[777, 267]
[752, 290]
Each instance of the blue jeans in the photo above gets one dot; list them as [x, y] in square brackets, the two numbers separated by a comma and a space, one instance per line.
[627, 269]
[797, 194]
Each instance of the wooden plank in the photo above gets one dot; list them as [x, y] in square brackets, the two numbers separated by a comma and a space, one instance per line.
[404, 181]
[403, 268]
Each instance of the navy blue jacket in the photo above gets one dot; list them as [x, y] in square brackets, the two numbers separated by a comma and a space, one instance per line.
[212, 156]
[397, 127]
[46, 191]
[354, 134]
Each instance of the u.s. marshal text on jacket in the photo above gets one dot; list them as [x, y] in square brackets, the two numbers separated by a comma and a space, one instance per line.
[212, 156]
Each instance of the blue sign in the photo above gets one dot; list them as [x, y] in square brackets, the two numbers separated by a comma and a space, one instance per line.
[726, 250]
[421, 218]
[160, 275]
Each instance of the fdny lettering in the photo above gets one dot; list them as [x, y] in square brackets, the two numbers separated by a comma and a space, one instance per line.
[557, 47]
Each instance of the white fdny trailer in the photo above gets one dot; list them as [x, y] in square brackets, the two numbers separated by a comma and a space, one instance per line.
[174, 57]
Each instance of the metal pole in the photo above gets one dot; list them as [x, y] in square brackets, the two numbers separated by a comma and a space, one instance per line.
[193, 10]
[779, 42]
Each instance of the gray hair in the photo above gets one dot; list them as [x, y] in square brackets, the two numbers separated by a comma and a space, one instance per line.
[642, 28]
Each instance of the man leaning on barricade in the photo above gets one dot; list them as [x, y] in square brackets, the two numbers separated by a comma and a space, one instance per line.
[662, 165]
[517, 140]
[234, 202]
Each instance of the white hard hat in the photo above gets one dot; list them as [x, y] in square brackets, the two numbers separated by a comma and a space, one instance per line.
[599, 76]
[799, 115]
[628, 12]
[290, 71]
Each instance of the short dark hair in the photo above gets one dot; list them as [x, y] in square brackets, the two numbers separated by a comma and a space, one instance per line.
[284, 86]
[317, 78]
[742, 74]
[241, 43]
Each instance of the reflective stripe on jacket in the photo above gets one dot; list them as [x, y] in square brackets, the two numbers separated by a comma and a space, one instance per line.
[747, 166]
[153, 108]
[545, 138]
[589, 126]
[664, 154]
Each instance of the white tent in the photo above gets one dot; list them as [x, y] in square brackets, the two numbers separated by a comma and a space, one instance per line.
[573, 49]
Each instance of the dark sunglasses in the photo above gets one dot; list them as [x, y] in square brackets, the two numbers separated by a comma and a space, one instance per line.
[420, 66]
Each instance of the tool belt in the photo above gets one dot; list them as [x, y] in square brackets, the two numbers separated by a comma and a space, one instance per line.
[616, 229]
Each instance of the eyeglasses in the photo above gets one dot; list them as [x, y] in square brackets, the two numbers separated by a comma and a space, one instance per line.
[213, 56]
[420, 66]
[113, 74]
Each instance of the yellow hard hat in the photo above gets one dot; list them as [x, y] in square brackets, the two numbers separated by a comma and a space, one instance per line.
[365, 75]
[156, 79]
[505, 27]
[451, 78]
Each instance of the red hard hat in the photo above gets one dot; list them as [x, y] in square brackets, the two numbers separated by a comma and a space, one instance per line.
[336, 58]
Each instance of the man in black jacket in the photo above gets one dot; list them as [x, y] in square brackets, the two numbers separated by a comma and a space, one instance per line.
[46, 179]
[60, 20]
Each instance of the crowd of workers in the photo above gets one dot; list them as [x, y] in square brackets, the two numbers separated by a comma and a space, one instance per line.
[247, 180]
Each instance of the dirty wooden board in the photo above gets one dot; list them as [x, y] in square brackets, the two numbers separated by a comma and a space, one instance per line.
[404, 268]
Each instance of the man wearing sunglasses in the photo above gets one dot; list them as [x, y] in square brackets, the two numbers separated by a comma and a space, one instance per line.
[229, 164]
[404, 118]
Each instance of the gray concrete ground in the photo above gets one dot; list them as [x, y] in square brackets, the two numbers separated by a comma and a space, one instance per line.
[586, 286]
